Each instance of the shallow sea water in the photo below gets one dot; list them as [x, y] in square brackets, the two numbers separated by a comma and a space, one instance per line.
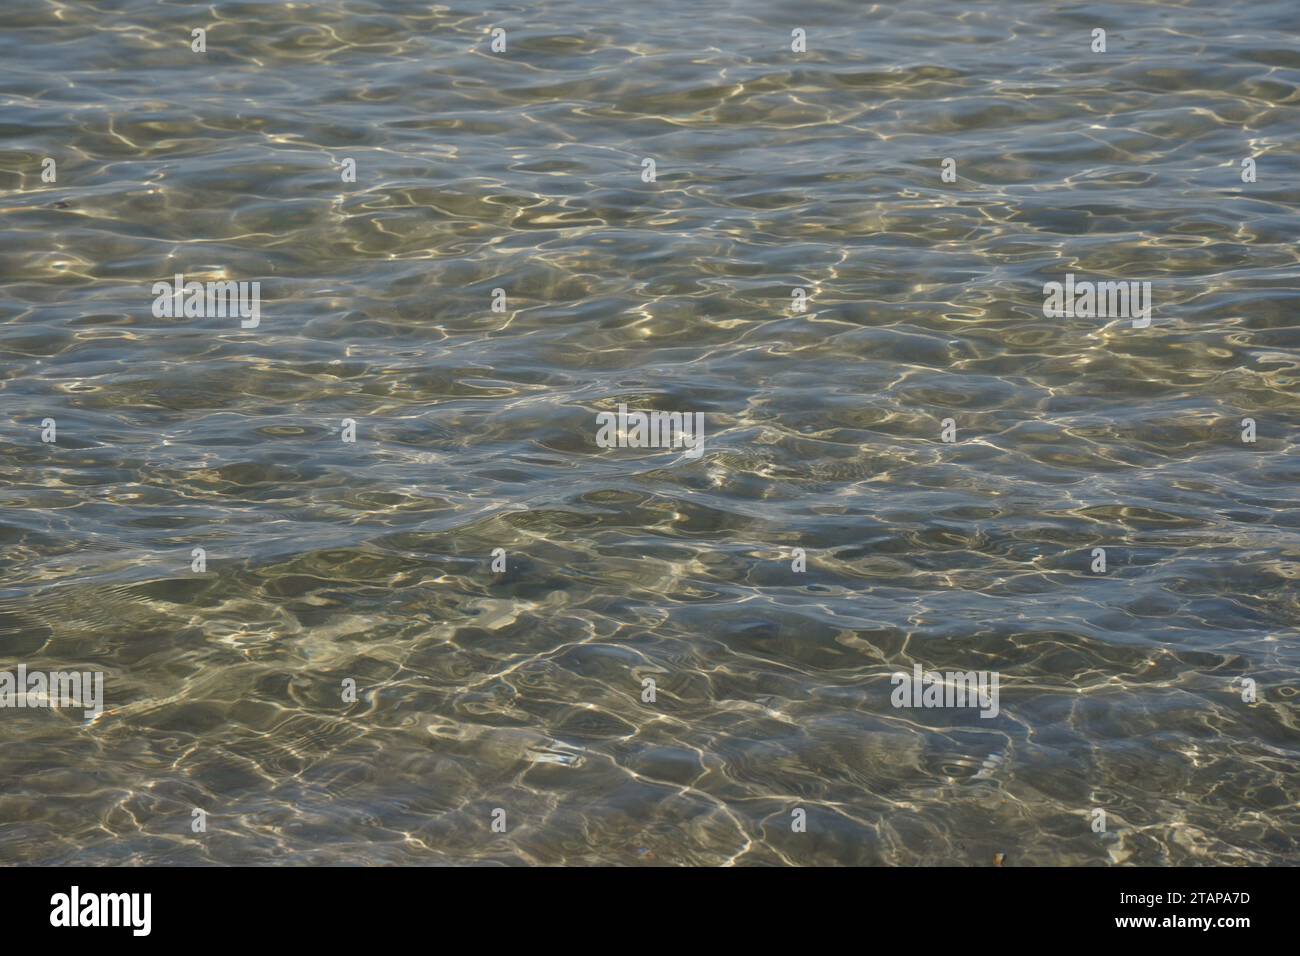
[522, 690]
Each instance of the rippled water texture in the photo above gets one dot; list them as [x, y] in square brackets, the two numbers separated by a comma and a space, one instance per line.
[523, 690]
